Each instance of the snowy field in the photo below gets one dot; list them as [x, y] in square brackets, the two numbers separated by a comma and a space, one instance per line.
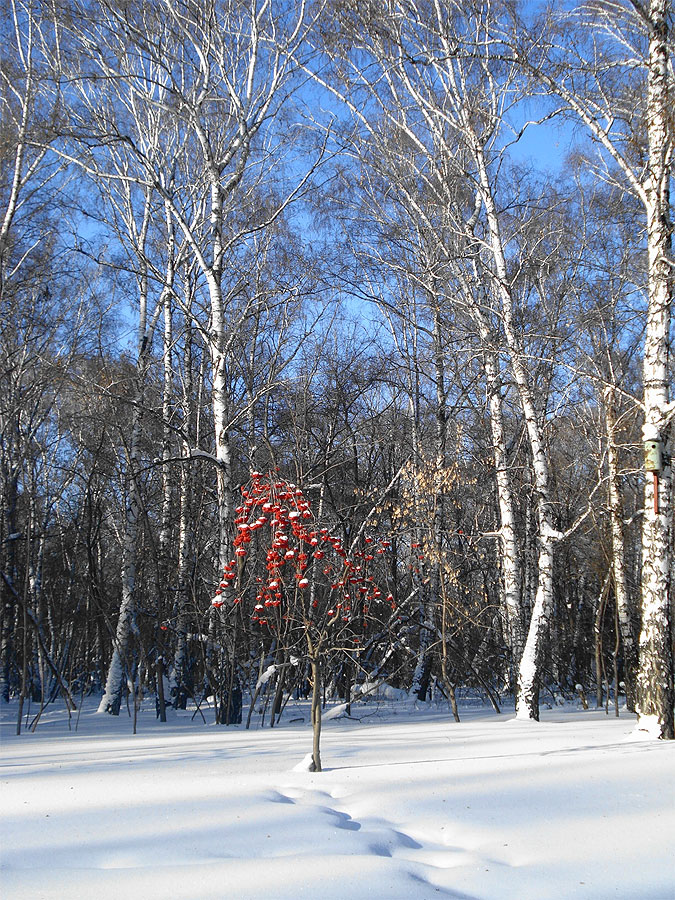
[410, 805]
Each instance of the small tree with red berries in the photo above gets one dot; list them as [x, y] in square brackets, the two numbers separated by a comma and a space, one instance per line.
[297, 582]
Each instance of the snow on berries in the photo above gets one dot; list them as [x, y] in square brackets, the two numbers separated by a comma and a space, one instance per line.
[289, 571]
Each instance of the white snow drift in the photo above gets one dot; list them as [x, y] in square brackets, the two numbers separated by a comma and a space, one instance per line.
[410, 805]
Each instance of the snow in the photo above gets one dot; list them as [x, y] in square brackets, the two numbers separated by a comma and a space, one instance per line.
[265, 677]
[410, 805]
[648, 726]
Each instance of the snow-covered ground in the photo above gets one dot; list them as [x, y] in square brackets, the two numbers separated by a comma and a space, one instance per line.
[410, 805]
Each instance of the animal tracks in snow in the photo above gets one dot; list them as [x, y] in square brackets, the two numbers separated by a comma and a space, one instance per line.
[379, 838]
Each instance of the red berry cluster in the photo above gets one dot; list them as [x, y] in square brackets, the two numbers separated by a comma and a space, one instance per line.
[308, 573]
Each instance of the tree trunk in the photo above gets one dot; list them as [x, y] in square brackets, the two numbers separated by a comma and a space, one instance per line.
[316, 714]
[512, 604]
[219, 389]
[116, 679]
[178, 672]
[623, 605]
[110, 702]
[527, 704]
[655, 675]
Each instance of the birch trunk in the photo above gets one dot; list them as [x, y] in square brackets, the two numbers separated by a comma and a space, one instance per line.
[512, 604]
[654, 683]
[527, 703]
[177, 674]
[655, 676]
[219, 396]
[116, 678]
[623, 605]
[165, 527]
[420, 679]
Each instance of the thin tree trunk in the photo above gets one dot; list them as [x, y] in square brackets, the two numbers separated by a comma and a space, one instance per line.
[116, 678]
[220, 397]
[117, 675]
[316, 714]
[512, 604]
[167, 397]
[623, 606]
[178, 673]
[527, 704]
[597, 643]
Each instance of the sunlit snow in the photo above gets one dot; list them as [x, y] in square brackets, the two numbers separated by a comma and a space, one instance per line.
[410, 805]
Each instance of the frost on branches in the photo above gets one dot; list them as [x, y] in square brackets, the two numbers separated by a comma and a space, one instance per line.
[297, 584]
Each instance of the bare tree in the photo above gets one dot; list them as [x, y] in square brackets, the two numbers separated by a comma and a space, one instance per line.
[193, 130]
[442, 96]
[616, 77]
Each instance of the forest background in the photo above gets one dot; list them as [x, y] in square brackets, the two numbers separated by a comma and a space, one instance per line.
[316, 372]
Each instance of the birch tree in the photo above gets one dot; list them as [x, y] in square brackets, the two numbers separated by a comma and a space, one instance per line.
[447, 93]
[607, 348]
[616, 78]
[137, 221]
[195, 128]
[31, 325]
[152, 305]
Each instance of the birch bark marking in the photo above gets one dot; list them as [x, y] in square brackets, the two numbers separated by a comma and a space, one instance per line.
[619, 551]
[654, 686]
[527, 703]
[510, 564]
[167, 393]
[511, 580]
[655, 675]
[219, 399]
[511, 603]
[112, 696]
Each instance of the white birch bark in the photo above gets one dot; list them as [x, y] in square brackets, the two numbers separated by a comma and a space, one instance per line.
[625, 25]
[527, 703]
[513, 612]
[167, 400]
[219, 389]
[117, 670]
[623, 604]
[512, 606]
[148, 317]
[655, 676]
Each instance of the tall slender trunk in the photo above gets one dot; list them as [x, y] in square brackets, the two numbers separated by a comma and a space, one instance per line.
[655, 676]
[420, 680]
[8, 546]
[623, 604]
[316, 712]
[438, 574]
[512, 606]
[167, 400]
[512, 603]
[527, 704]
[219, 388]
[116, 678]
[177, 673]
